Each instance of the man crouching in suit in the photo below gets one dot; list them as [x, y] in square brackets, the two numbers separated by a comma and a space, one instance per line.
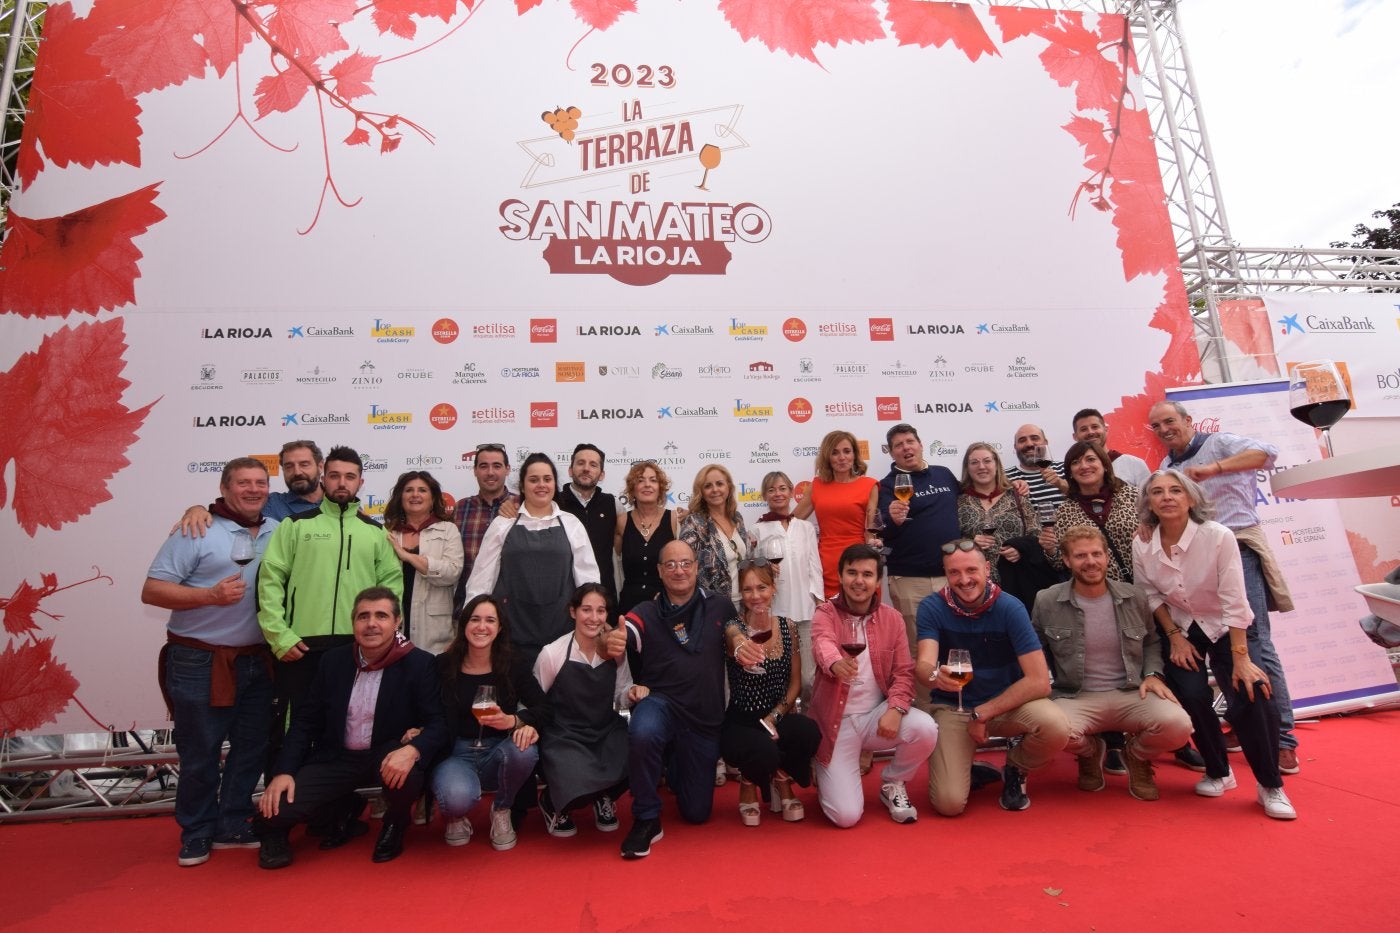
[374, 716]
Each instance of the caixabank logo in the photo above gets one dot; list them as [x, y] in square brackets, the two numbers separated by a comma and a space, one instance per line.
[636, 242]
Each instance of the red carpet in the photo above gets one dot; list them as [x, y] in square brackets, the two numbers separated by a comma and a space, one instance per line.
[1073, 861]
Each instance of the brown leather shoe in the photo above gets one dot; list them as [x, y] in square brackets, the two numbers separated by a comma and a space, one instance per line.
[1288, 761]
[1091, 765]
[1141, 782]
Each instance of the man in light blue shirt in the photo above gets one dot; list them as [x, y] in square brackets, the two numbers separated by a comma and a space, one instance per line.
[216, 668]
[1225, 465]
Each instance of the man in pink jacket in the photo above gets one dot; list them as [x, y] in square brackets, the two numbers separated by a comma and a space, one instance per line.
[862, 697]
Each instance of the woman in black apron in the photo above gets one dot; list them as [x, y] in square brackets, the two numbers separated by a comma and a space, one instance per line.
[532, 561]
[583, 756]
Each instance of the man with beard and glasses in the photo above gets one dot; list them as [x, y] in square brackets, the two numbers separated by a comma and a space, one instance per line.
[597, 510]
[301, 471]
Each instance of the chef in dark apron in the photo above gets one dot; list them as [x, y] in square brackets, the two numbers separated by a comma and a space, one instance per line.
[583, 756]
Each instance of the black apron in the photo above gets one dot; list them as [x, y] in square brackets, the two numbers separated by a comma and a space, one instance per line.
[583, 753]
[534, 584]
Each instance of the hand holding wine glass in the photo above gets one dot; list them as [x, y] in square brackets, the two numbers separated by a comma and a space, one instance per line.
[1318, 396]
[853, 642]
[241, 552]
[759, 623]
[959, 670]
[484, 706]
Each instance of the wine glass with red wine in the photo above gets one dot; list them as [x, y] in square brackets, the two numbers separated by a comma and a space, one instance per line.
[853, 641]
[759, 623]
[1041, 457]
[1318, 397]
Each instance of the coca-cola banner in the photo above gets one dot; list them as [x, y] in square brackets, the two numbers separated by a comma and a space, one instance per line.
[1330, 663]
[684, 232]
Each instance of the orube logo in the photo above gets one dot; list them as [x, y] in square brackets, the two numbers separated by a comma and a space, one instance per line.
[445, 330]
[443, 416]
[544, 330]
[544, 414]
[881, 328]
[800, 410]
[794, 329]
[887, 408]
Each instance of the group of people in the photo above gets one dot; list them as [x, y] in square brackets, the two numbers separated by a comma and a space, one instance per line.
[556, 650]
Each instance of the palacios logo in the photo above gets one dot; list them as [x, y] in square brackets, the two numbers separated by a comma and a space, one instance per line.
[637, 242]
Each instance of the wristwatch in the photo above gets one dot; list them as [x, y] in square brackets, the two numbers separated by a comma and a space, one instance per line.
[899, 709]
[973, 716]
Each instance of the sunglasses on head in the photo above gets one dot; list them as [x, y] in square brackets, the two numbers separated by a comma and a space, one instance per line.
[962, 544]
[753, 562]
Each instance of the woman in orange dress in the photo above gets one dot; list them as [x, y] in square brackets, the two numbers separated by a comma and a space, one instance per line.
[841, 496]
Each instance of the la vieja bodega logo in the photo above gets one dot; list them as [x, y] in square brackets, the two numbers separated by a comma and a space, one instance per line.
[637, 242]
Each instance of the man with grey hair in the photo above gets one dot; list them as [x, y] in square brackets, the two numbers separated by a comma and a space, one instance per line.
[1225, 465]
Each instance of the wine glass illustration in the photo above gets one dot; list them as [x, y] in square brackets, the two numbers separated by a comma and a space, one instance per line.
[709, 157]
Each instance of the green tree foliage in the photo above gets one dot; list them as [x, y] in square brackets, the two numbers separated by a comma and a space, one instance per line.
[1379, 237]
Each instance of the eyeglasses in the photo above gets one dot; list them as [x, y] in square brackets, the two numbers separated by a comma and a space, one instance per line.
[752, 562]
[677, 564]
[962, 544]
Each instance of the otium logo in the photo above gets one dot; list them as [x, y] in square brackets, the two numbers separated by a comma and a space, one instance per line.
[544, 330]
[800, 410]
[445, 330]
[794, 329]
[544, 414]
[881, 328]
[443, 416]
[887, 408]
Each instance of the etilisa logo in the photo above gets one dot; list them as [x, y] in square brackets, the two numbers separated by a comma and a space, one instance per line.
[742, 331]
[544, 330]
[493, 331]
[544, 414]
[385, 332]
[844, 410]
[836, 329]
[493, 415]
[381, 419]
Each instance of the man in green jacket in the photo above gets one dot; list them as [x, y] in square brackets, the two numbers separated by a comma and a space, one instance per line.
[314, 565]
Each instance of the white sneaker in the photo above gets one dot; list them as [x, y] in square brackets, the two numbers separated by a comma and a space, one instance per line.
[896, 800]
[459, 832]
[502, 833]
[1214, 787]
[1276, 803]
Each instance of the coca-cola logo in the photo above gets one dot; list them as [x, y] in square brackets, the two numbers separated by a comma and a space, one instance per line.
[794, 329]
[1208, 425]
[544, 414]
[544, 330]
[800, 410]
[887, 408]
[881, 328]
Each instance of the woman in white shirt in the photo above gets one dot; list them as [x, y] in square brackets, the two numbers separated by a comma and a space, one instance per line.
[1194, 579]
[533, 561]
[798, 570]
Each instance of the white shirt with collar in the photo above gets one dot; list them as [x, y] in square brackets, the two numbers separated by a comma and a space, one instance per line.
[1199, 579]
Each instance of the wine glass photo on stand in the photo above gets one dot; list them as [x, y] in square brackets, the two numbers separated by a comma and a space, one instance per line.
[709, 157]
[241, 552]
[960, 670]
[853, 642]
[1318, 397]
[484, 705]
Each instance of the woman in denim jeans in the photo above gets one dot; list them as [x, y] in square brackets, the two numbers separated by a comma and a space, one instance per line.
[496, 752]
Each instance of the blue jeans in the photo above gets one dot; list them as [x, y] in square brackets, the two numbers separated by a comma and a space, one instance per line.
[208, 804]
[1268, 658]
[690, 772]
[497, 766]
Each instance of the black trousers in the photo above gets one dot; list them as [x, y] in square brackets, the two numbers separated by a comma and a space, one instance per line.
[1255, 722]
[758, 756]
[322, 786]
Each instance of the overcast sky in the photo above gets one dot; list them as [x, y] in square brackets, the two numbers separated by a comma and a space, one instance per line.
[1300, 103]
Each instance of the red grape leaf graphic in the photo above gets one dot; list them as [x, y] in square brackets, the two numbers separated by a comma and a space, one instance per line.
[600, 14]
[396, 16]
[150, 44]
[63, 423]
[1128, 421]
[34, 688]
[309, 29]
[21, 606]
[281, 91]
[524, 6]
[84, 261]
[1018, 21]
[77, 111]
[1370, 566]
[353, 73]
[796, 26]
[918, 22]
[1078, 57]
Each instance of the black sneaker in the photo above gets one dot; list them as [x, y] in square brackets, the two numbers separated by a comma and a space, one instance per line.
[1013, 789]
[195, 852]
[240, 838]
[1113, 762]
[1188, 757]
[276, 852]
[984, 774]
[639, 840]
[559, 825]
[604, 814]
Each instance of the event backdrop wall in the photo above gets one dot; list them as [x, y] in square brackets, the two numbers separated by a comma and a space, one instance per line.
[733, 230]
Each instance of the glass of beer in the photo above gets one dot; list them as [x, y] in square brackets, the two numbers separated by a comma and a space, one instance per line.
[483, 705]
[960, 670]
